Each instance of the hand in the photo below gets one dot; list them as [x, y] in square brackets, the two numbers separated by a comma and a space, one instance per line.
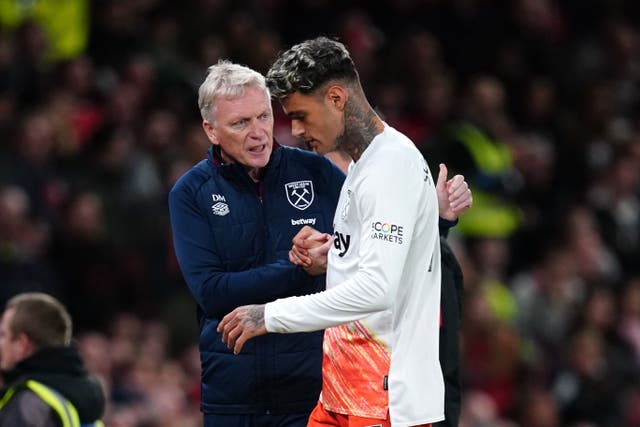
[309, 250]
[454, 195]
[241, 325]
[299, 253]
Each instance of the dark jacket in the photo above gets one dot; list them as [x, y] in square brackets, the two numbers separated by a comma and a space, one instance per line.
[451, 298]
[61, 369]
[232, 239]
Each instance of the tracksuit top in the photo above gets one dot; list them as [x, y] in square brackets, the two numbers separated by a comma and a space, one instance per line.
[381, 306]
[232, 238]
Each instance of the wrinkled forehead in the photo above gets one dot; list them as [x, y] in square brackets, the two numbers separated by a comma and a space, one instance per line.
[252, 100]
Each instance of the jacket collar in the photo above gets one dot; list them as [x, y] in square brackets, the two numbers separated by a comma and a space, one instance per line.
[62, 369]
[236, 171]
[47, 360]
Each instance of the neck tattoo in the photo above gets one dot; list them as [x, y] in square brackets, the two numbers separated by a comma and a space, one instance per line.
[359, 129]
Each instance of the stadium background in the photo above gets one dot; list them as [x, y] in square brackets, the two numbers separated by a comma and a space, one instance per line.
[98, 118]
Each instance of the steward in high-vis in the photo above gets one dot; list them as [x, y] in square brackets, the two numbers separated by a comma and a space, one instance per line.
[45, 381]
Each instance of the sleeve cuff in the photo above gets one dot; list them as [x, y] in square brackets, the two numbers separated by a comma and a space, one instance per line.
[444, 225]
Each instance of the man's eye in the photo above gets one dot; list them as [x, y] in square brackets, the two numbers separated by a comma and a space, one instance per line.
[240, 122]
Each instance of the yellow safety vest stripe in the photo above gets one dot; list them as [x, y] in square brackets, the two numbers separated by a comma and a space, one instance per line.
[490, 157]
[489, 216]
[65, 409]
[62, 406]
[7, 396]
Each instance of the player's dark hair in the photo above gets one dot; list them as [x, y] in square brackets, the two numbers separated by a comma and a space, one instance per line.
[308, 65]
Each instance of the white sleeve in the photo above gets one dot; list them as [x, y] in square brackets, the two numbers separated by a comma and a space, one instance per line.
[384, 195]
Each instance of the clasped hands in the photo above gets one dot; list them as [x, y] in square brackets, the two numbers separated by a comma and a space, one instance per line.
[310, 249]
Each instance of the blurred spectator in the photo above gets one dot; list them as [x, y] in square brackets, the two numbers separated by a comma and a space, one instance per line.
[629, 325]
[616, 202]
[583, 389]
[86, 260]
[538, 409]
[64, 24]
[548, 298]
[596, 263]
[23, 244]
[473, 143]
[479, 410]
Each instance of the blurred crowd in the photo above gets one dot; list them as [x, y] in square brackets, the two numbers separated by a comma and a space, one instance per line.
[535, 101]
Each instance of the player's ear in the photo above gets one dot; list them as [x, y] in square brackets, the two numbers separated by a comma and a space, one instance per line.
[337, 96]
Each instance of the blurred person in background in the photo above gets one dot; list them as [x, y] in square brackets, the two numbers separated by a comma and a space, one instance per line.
[23, 244]
[45, 381]
[616, 202]
[145, 384]
[233, 217]
[473, 144]
[64, 25]
[585, 387]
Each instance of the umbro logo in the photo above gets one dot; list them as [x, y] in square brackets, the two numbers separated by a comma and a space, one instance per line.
[220, 207]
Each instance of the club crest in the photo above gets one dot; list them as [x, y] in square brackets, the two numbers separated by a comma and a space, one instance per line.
[299, 194]
[345, 207]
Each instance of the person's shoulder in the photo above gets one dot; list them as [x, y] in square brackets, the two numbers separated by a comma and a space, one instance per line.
[396, 150]
[401, 142]
[308, 159]
[298, 154]
[194, 177]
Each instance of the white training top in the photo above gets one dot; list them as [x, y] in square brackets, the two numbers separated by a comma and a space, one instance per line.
[383, 287]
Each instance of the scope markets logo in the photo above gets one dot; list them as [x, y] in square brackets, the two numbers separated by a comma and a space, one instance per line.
[387, 232]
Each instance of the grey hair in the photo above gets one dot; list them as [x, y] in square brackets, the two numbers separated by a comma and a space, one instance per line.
[308, 65]
[228, 80]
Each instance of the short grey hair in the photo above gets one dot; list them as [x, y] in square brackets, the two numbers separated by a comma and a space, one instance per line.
[229, 80]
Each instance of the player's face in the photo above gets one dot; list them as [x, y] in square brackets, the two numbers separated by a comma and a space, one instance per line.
[243, 128]
[314, 119]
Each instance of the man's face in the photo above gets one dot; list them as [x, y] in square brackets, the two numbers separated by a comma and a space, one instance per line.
[12, 348]
[243, 128]
[315, 119]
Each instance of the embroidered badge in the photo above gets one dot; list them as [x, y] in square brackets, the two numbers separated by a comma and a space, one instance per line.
[299, 194]
[220, 209]
[345, 207]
